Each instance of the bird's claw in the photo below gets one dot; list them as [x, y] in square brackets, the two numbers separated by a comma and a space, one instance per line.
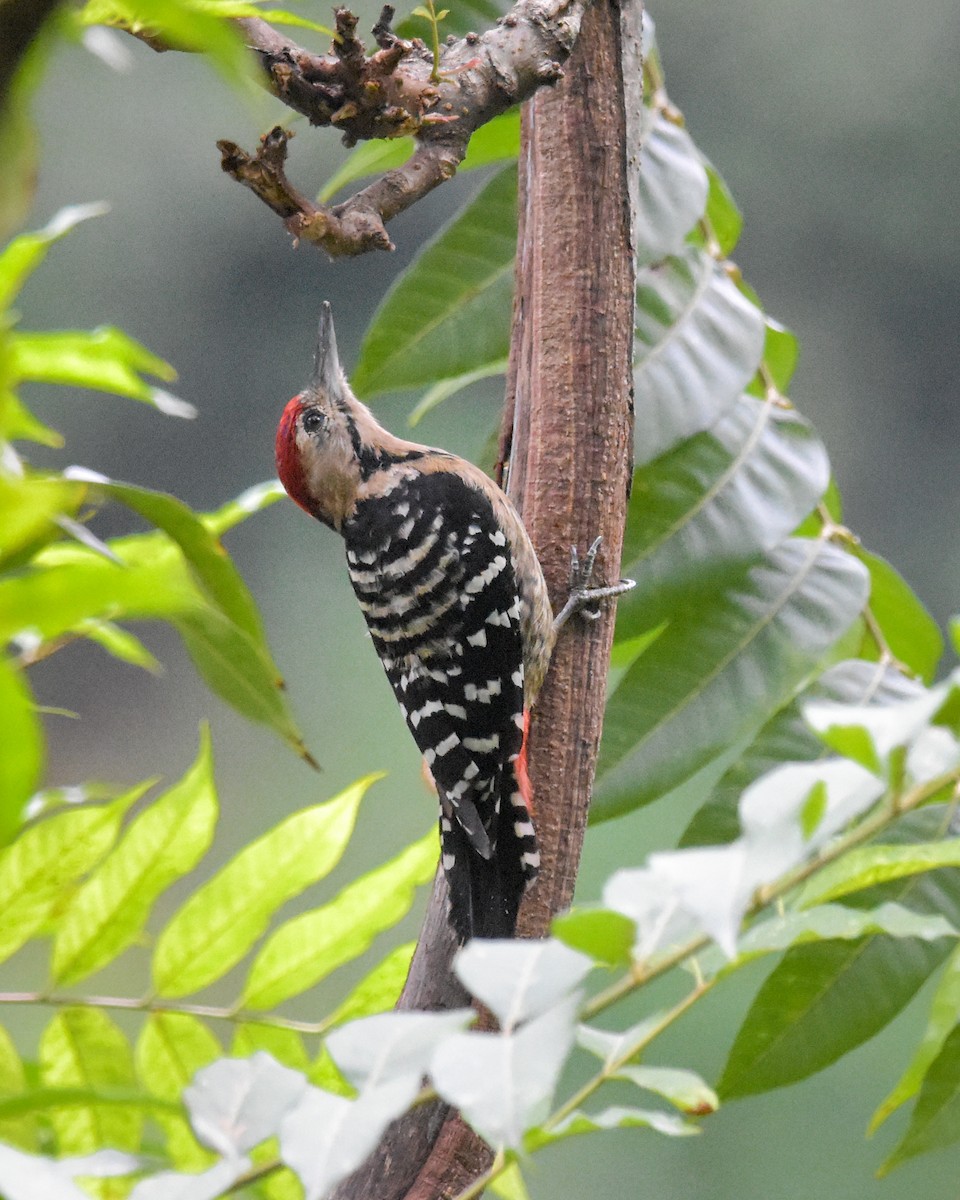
[581, 595]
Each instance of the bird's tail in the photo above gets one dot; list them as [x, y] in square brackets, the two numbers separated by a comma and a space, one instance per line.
[485, 893]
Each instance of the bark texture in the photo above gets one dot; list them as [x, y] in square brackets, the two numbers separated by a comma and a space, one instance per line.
[570, 411]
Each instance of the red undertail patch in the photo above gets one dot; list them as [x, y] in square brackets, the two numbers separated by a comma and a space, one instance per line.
[523, 777]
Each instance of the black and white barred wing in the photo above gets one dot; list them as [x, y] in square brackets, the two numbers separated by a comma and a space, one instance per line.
[434, 577]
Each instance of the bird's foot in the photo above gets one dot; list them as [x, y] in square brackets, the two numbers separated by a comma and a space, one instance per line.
[582, 597]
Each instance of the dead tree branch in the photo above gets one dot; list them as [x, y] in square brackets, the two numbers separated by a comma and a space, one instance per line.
[388, 93]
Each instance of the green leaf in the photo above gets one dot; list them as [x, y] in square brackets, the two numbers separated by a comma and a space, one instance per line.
[466, 15]
[18, 137]
[867, 866]
[70, 585]
[615, 1117]
[495, 141]
[19, 1129]
[756, 642]
[935, 1122]
[232, 653]
[221, 920]
[169, 577]
[120, 644]
[234, 9]
[626, 651]
[106, 359]
[47, 858]
[285, 1045]
[605, 935]
[685, 1090]
[82, 1047]
[787, 737]
[825, 998]
[25, 253]
[310, 946]
[219, 578]
[813, 810]
[238, 670]
[518, 980]
[854, 742]
[698, 344]
[170, 1050]
[673, 188]
[389, 1046]
[110, 911]
[449, 387]
[326, 1137]
[181, 24]
[807, 1013]
[17, 423]
[379, 990]
[706, 509]
[509, 1184]
[503, 1083]
[911, 633]
[722, 213]
[780, 353]
[449, 312]
[874, 734]
[21, 762]
[827, 922]
[943, 1019]
[253, 500]
[368, 158]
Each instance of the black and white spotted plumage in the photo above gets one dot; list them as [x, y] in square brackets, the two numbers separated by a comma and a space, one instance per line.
[457, 609]
[434, 577]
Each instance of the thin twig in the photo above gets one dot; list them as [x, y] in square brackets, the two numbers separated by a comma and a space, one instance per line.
[209, 1012]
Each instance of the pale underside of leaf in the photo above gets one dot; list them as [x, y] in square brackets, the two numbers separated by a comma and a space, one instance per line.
[718, 672]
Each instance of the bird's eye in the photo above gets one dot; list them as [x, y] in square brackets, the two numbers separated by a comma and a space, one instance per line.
[313, 420]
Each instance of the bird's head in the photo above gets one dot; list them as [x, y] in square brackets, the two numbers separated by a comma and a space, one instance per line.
[321, 436]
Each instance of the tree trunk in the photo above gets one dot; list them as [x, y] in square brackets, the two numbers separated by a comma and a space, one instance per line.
[570, 412]
[568, 441]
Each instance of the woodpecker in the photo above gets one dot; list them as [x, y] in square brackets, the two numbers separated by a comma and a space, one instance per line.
[457, 608]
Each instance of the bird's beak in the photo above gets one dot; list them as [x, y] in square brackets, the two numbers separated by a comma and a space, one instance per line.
[327, 375]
